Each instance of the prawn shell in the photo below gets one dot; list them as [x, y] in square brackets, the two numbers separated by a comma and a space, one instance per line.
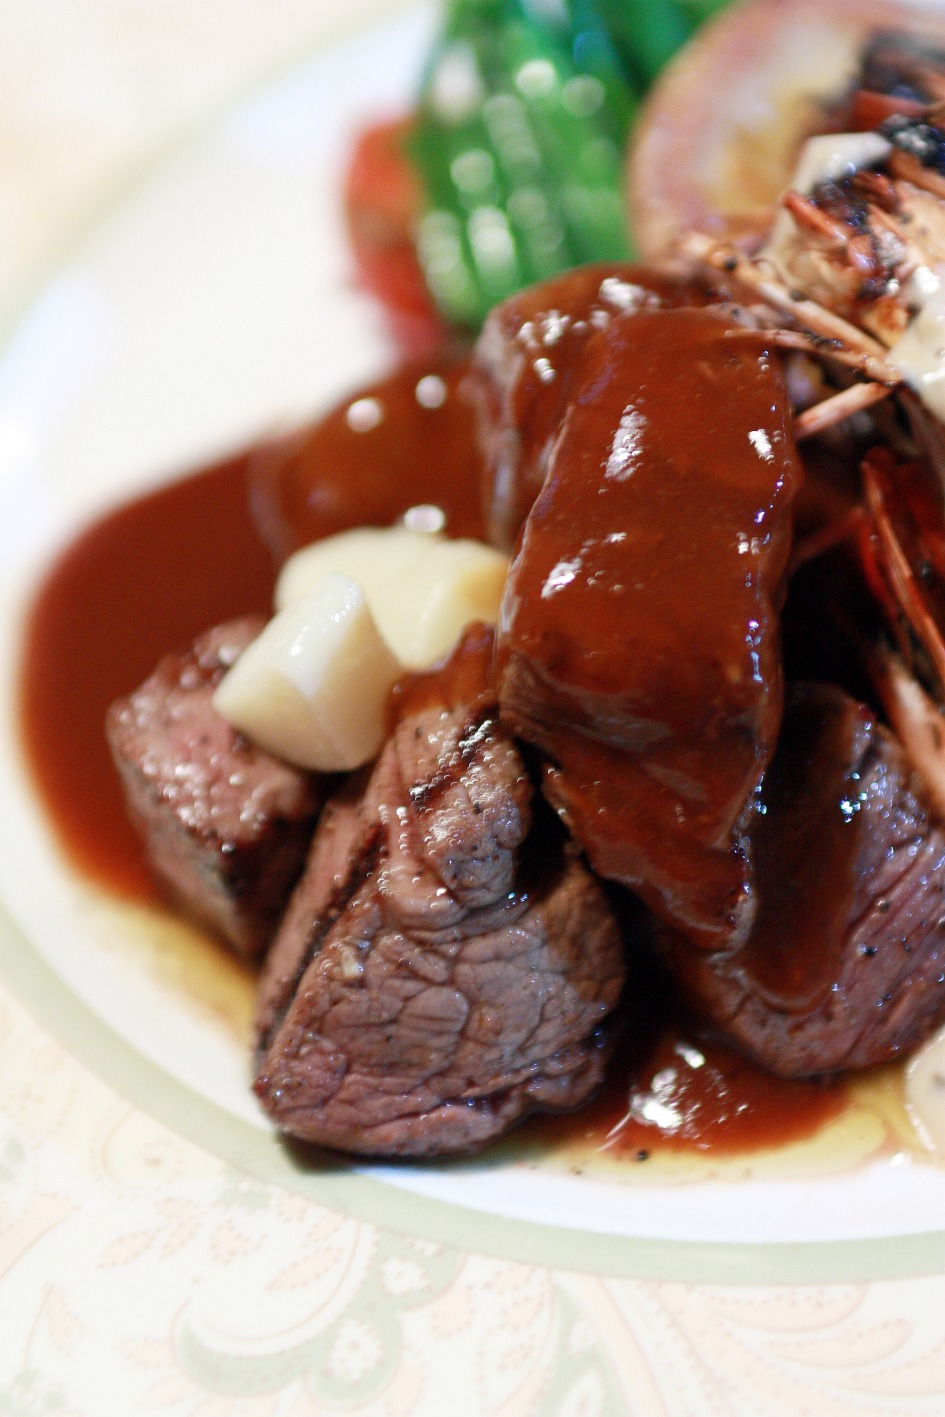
[719, 135]
[905, 554]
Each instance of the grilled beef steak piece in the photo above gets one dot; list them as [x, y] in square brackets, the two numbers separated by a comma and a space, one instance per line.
[845, 966]
[445, 966]
[226, 826]
[638, 645]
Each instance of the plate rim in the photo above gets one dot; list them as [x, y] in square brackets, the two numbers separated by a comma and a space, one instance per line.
[336, 1182]
[83, 226]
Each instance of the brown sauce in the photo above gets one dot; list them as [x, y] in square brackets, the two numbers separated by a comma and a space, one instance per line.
[405, 441]
[148, 577]
[808, 846]
[688, 1091]
[535, 344]
[639, 646]
[144, 580]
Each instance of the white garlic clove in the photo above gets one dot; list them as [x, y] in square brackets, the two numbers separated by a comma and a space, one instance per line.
[422, 588]
[313, 686]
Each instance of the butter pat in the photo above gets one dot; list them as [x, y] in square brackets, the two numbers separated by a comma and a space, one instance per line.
[422, 589]
[313, 686]
[352, 612]
[372, 556]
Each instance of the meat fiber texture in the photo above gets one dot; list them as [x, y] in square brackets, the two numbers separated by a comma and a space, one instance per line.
[845, 966]
[442, 969]
[226, 826]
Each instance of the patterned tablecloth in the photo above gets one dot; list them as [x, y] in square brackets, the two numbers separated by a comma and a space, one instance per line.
[139, 1273]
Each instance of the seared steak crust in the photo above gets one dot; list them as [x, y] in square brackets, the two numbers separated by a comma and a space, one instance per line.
[442, 970]
[226, 826]
[845, 966]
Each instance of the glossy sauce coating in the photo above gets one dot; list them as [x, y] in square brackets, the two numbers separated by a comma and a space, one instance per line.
[407, 440]
[149, 577]
[526, 362]
[690, 1092]
[638, 643]
[145, 579]
[193, 555]
[807, 848]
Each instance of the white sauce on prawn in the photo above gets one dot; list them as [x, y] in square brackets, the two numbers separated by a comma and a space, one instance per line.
[919, 353]
[823, 159]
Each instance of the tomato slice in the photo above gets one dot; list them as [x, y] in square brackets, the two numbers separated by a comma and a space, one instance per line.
[382, 201]
[868, 109]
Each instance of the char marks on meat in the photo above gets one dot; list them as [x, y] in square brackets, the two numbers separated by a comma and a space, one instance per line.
[638, 645]
[226, 826]
[845, 966]
[445, 966]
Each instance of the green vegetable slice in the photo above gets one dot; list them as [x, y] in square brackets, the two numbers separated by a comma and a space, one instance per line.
[523, 120]
[524, 112]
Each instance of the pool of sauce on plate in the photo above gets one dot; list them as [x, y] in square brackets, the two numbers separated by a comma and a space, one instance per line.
[148, 577]
[685, 1091]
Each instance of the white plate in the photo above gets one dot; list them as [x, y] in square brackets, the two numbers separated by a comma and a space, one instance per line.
[216, 305]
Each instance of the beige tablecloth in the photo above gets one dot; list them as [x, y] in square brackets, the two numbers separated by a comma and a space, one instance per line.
[139, 1272]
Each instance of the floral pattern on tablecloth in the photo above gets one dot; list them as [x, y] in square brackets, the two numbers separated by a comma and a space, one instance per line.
[140, 1274]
